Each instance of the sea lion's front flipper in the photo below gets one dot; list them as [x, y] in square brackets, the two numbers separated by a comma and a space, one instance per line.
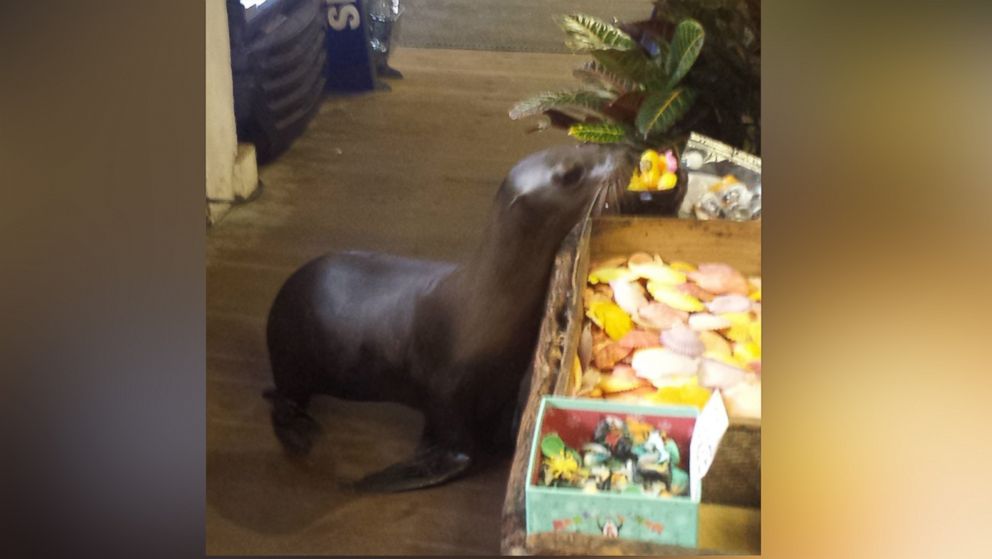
[430, 466]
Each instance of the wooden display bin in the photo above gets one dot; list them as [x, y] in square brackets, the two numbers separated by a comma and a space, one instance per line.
[735, 475]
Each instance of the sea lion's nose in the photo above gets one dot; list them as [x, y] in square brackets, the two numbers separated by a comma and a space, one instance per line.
[568, 173]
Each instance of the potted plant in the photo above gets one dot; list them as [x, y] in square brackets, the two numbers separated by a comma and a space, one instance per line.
[632, 93]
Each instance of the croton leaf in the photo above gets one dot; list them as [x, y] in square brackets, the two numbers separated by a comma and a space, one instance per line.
[662, 109]
[586, 33]
[595, 75]
[631, 65]
[598, 132]
[586, 101]
[686, 44]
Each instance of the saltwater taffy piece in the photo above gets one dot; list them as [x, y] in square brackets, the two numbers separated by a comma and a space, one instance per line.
[624, 456]
[682, 330]
[450, 340]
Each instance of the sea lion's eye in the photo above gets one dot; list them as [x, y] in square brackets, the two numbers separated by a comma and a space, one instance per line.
[570, 175]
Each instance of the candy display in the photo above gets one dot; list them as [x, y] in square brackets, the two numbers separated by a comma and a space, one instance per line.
[661, 332]
[723, 182]
[656, 171]
[624, 456]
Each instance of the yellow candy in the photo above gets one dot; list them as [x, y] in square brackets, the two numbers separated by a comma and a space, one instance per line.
[636, 184]
[667, 181]
[682, 266]
[649, 161]
[606, 275]
[611, 318]
[674, 298]
[651, 178]
[745, 352]
[755, 295]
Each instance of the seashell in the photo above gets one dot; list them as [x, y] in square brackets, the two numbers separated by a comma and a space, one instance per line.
[743, 400]
[614, 262]
[609, 354]
[674, 298]
[659, 316]
[719, 375]
[590, 378]
[640, 258]
[690, 288]
[714, 343]
[746, 352]
[630, 295]
[706, 321]
[754, 329]
[719, 279]
[585, 345]
[681, 266]
[657, 271]
[738, 318]
[606, 275]
[733, 303]
[656, 363]
[681, 339]
[738, 333]
[637, 339]
[755, 366]
[634, 396]
[610, 318]
[620, 380]
[687, 393]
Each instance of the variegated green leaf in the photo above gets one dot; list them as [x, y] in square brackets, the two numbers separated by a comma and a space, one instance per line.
[595, 75]
[586, 33]
[662, 109]
[632, 65]
[686, 44]
[600, 132]
[586, 101]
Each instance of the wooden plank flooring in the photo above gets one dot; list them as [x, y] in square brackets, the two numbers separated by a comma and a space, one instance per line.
[412, 172]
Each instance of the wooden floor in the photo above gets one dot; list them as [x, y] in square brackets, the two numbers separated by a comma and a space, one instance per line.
[412, 172]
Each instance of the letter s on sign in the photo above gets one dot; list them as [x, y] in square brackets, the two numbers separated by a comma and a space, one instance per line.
[339, 18]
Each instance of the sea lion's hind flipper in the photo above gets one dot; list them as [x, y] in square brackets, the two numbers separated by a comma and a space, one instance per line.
[430, 466]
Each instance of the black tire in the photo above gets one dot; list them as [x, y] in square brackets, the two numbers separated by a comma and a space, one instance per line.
[279, 71]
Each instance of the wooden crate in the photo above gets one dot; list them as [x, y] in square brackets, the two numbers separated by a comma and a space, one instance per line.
[735, 476]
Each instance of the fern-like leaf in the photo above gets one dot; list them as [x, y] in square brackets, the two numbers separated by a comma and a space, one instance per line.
[662, 109]
[686, 44]
[599, 132]
[587, 33]
[595, 75]
[584, 101]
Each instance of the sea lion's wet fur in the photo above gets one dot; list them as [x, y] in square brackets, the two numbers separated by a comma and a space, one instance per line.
[451, 341]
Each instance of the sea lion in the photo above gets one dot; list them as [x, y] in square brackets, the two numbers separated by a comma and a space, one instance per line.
[450, 340]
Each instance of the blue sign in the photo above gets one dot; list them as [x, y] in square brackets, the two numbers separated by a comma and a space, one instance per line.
[349, 56]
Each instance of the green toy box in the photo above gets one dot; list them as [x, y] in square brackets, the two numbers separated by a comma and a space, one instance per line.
[671, 520]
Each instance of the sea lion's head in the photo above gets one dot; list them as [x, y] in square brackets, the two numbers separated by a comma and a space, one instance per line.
[556, 187]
